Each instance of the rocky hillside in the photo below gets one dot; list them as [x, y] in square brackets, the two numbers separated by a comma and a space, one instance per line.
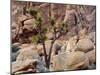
[67, 52]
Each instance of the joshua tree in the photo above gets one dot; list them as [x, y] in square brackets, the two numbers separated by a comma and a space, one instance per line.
[42, 30]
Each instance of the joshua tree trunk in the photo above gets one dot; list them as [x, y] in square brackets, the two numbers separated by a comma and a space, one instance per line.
[49, 56]
[45, 54]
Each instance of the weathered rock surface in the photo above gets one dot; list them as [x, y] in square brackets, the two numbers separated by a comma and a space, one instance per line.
[91, 56]
[58, 62]
[17, 44]
[41, 67]
[24, 66]
[57, 46]
[92, 37]
[85, 45]
[22, 18]
[77, 60]
[69, 61]
[35, 47]
[71, 44]
[14, 56]
[15, 47]
[27, 45]
[83, 33]
[27, 53]
[14, 25]
[50, 36]
[29, 24]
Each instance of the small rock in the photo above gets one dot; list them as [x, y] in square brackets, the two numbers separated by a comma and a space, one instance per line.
[92, 37]
[14, 56]
[92, 66]
[29, 24]
[13, 26]
[83, 33]
[22, 18]
[63, 48]
[50, 36]
[15, 47]
[13, 32]
[57, 46]
[17, 44]
[39, 48]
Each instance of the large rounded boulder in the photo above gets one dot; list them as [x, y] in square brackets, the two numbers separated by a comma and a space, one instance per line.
[27, 53]
[85, 45]
[69, 61]
[77, 61]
